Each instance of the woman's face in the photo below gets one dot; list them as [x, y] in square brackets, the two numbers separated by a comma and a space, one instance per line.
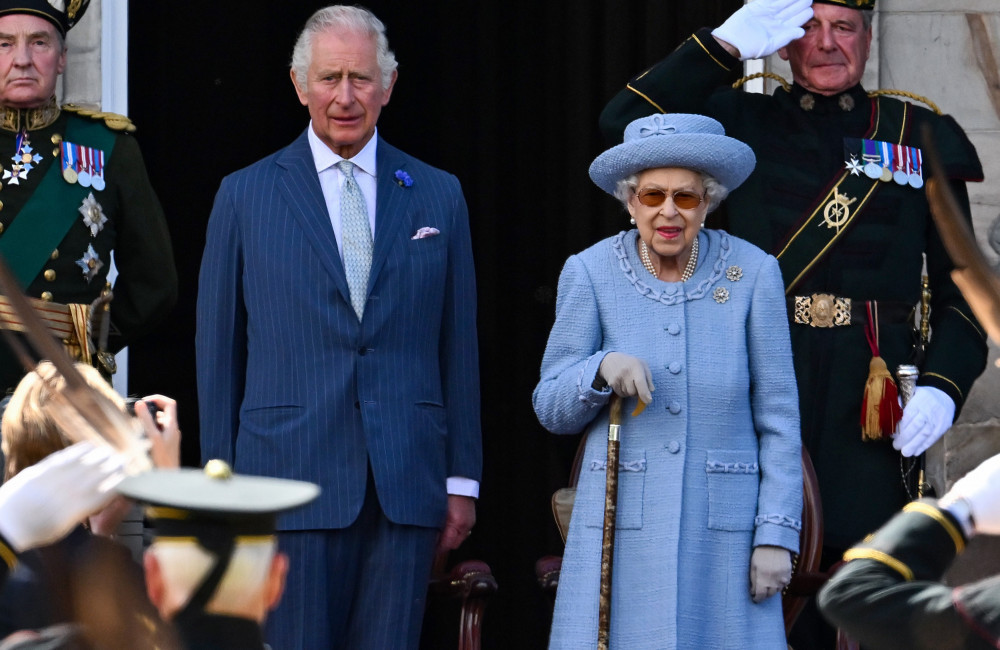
[668, 229]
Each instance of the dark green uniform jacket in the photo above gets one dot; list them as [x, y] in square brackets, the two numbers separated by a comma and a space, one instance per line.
[888, 596]
[799, 143]
[134, 228]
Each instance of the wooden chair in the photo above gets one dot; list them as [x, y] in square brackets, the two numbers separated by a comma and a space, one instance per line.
[806, 578]
[469, 584]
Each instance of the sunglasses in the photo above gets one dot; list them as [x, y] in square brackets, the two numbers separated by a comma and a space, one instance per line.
[683, 200]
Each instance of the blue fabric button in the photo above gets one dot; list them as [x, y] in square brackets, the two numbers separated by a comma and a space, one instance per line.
[673, 328]
[675, 367]
[674, 408]
[673, 446]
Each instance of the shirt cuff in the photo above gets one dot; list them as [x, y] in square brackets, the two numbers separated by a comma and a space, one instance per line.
[463, 487]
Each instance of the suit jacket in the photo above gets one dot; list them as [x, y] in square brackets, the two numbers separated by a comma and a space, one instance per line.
[291, 384]
[889, 595]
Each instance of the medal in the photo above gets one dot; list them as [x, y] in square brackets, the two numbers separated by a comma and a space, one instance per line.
[870, 155]
[901, 176]
[916, 178]
[24, 159]
[97, 175]
[83, 165]
[886, 172]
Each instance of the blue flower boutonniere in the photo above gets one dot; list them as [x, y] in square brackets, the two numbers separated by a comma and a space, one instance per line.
[403, 179]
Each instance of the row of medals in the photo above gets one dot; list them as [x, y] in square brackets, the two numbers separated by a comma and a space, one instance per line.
[25, 160]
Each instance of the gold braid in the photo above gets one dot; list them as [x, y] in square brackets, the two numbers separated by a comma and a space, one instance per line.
[757, 75]
[875, 93]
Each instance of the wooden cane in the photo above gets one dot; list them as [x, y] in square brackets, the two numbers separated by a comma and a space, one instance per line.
[610, 513]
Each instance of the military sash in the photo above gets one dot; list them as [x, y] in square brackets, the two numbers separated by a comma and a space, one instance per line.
[50, 212]
[845, 196]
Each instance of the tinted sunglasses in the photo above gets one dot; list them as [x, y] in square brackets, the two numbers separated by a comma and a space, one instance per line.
[683, 200]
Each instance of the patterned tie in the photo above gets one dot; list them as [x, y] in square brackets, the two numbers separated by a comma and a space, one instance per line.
[357, 235]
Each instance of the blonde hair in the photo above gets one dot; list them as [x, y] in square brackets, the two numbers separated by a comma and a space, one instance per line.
[29, 432]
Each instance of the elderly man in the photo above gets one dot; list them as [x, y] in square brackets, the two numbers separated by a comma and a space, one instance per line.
[74, 191]
[337, 344]
[837, 197]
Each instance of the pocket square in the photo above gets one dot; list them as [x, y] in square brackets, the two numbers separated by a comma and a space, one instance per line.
[426, 231]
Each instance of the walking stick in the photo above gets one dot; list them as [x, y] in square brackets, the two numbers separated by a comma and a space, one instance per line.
[907, 376]
[610, 512]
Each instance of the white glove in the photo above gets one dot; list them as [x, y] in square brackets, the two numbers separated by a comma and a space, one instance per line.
[627, 376]
[45, 501]
[980, 489]
[770, 571]
[762, 27]
[926, 417]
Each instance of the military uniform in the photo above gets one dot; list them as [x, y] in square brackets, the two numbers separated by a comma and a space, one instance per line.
[118, 212]
[799, 140]
[889, 593]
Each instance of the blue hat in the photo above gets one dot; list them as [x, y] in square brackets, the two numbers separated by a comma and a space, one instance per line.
[674, 140]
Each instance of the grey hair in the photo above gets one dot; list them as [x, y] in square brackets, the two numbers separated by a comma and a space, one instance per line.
[715, 192]
[357, 20]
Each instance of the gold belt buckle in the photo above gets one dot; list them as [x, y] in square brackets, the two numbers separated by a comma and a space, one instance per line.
[822, 310]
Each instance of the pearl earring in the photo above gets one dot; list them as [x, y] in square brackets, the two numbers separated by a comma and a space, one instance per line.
[632, 221]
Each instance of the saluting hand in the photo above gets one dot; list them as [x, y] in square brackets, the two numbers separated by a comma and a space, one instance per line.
[762, 27]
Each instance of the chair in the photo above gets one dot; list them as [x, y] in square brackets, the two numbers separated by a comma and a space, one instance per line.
[469, 584]
[806, 579]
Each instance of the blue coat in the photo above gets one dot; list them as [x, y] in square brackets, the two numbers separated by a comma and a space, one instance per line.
[291, 384]
[709, 470]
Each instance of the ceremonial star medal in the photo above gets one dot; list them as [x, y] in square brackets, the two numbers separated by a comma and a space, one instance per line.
[90, 263]
[93, 215]
[837, 210]
[15, 174]
[853, 165]
[24, 160]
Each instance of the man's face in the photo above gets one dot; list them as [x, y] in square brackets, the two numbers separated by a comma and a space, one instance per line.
[31, 59]
[343, 90]
[831, 57]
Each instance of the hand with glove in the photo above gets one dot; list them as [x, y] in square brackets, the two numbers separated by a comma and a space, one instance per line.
[980, 490]
[44, 502]
[762, 27]
[926, 417]
[627, 376]
[770, 571]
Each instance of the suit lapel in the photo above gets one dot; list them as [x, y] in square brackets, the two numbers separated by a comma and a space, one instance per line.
[392, 204]
[302, 192]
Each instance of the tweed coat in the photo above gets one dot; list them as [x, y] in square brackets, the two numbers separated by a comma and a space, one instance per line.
[708, 471]
[799, 140]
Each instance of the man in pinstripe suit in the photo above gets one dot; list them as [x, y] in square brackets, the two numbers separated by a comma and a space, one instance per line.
[375, 401]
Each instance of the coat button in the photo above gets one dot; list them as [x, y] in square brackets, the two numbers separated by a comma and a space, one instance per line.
[673, 446]
[357, 405]
[46, 296]
[673, 329]
[675, 367]
[362, 350]
[50, 275]
[674, 408]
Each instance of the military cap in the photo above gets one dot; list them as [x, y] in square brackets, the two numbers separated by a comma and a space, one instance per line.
[64, 14]
[850, 4]
[214, 503]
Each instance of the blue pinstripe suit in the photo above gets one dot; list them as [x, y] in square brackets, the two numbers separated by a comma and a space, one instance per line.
[291, 384]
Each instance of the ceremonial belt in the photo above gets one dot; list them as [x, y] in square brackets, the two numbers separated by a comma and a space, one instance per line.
[52, 209]
[68, 323]
[837, 209]
[827, 310]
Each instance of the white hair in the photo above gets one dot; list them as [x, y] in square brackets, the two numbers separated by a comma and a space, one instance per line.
[715, 192]
[357, 20]
[184, 564]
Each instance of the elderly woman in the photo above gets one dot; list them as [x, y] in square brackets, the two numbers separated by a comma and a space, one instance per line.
[692, 322]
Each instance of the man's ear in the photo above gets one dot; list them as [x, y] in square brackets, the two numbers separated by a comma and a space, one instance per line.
[783, 53]
[276, 580]
[155, 587]
[298, 91]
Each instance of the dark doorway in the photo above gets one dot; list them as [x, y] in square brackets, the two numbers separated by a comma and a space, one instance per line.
[503, 94]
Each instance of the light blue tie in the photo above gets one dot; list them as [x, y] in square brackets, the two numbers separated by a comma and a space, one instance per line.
[357, 234]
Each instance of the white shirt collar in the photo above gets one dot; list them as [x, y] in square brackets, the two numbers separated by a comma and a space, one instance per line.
[324, 158]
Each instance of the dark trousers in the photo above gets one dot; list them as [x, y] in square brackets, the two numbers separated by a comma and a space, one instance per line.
[363, 587]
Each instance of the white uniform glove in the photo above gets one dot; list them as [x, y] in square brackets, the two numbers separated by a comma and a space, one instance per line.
[627, 376]
[762, 27]
[926, 417]
[45, 501]
[770, 571]
[980, 489]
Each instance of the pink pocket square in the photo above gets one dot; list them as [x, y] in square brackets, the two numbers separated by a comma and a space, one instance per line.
[426, 231]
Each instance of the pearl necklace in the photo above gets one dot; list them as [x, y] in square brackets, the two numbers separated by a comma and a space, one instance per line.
[688, 268]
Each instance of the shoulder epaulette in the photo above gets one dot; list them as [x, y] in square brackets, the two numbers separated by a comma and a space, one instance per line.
[114, 121]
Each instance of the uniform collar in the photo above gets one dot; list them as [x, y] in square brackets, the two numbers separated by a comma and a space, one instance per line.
[29, 119]
[845, 102]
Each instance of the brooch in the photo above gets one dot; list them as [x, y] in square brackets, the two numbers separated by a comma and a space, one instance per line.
[721, 294]
[402, 178]
[734, 273]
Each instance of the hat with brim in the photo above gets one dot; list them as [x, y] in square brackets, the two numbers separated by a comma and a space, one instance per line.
[850, 4]
[64, 14]
[675, 140]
